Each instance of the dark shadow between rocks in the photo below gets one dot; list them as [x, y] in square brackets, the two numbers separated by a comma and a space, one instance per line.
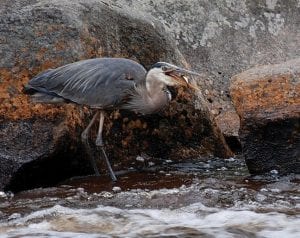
[47, 172]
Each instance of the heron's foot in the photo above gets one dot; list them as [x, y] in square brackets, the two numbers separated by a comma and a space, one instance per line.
[92, 160]
[104, 156]
[99, 141]
[84, 137]
[89, 152]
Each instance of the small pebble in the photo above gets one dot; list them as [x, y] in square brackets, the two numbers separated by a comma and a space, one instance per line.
[183, 186]
[2, 194]
[116, 189]
[260, 197]
[275, 190]
[140, 158]
[106, 194]
[274, 171]
[231, 159]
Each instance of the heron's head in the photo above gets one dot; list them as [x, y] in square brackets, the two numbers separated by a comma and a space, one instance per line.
[172, 75]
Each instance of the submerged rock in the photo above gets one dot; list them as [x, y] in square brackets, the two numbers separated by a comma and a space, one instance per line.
[267, 99]
[40, 144]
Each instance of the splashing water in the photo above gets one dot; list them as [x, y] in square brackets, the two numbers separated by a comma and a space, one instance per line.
[195, 220]
[220, 203]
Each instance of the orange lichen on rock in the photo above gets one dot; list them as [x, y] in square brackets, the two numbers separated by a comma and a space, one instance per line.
[268, 91]
[267, 100]
[14, 104]
[40, 54]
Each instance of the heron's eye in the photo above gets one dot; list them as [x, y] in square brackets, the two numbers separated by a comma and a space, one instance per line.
[164, 68]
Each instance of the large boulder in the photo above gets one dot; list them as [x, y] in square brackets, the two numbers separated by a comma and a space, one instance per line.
[267, 99]
[224, 38]
[39, 144]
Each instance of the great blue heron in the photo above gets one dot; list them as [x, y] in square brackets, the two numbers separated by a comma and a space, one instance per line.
[104, 83]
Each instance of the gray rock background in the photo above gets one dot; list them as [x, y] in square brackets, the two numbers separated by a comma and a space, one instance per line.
[223, 38]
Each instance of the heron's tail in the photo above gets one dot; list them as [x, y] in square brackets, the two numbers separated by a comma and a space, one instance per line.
[40, 94]
[38, 97]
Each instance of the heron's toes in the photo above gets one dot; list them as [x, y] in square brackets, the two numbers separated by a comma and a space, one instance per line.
[84, 137]
[99, 142]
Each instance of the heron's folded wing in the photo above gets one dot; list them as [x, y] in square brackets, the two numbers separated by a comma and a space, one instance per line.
[100, 82]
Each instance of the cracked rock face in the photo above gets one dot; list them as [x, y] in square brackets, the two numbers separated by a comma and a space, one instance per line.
[267, 99]
[223, 38]
[40, 143]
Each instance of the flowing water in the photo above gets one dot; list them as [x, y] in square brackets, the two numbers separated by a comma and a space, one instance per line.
[214, 198]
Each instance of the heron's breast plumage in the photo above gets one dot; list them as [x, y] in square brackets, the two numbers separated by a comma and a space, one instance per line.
[145, 102]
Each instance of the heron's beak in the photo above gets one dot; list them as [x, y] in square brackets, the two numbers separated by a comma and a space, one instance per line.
[180, 76]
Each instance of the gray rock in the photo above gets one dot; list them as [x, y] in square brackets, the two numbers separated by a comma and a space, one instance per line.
[223, 38]
[267, 99]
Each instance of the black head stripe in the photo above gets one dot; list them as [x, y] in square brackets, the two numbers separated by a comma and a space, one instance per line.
[158, 65]
[161, 64]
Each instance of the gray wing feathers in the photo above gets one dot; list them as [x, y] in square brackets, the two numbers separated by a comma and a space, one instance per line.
[97, 82]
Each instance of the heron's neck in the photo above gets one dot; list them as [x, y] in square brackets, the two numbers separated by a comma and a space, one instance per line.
[153, 84]
[149, 97]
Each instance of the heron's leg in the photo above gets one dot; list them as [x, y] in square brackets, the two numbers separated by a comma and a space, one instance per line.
[99, 140]
[85, 141]
[99, 143]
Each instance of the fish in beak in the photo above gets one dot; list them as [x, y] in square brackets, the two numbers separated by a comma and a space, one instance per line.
[181, 76]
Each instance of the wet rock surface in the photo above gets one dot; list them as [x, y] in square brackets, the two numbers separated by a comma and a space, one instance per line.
[213, 181]
[34, 154]
[267, 99]
[39, 35]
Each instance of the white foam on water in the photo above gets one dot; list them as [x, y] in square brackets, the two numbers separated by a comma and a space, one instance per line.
[193, 221]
